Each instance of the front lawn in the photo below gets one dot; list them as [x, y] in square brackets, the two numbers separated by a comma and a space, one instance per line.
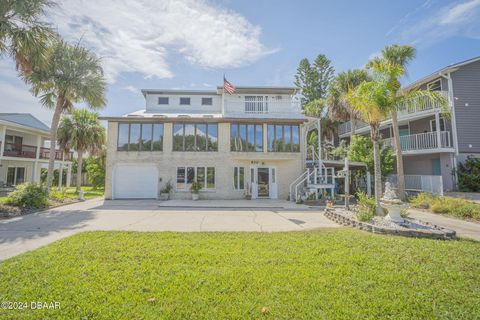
[325, 274]
[90, 193]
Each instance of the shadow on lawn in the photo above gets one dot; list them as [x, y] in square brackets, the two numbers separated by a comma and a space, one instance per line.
[42, 224]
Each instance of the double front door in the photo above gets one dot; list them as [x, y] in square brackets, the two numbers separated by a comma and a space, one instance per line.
[263, 180]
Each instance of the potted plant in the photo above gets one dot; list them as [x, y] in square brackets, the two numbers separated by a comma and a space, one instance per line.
[195, 190]
[165, 191]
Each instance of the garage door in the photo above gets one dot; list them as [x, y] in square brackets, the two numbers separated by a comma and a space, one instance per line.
[135, 182]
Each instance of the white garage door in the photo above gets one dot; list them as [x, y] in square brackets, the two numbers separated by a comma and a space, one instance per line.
[135, 182]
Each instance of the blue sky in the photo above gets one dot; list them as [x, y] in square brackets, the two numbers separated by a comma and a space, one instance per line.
[190, 44]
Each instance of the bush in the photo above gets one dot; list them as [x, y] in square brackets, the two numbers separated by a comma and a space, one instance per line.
[167, 188]
[365, 215]
[469, 175]
[456, 207]
[58, 196]
[28, 195]
[367, 206]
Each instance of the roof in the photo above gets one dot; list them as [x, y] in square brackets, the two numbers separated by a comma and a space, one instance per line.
[178, 91]
[436, 74]
[238, 89]
[24, 119]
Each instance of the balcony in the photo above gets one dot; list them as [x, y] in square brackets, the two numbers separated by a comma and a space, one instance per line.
[30, 152]
[263, 108]
[405, 111]
[422, 142]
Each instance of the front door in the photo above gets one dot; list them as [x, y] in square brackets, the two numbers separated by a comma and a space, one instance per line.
[436, 168]
[15, 175]
[263, 182]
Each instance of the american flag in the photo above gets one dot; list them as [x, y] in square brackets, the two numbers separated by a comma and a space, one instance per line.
[230, 88]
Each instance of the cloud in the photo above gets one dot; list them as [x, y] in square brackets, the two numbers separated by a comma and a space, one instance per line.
[430, 24]
[145, 36]
[131, 89]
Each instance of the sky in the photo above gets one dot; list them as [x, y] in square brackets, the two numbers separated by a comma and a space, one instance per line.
[187, 44]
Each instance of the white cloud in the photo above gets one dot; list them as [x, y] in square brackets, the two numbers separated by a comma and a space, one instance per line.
[142, 36]
[430, 24]
[131, 89]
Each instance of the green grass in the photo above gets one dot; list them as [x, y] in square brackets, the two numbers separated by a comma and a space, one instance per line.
[90, 193]
[326, 274]
[454, 207]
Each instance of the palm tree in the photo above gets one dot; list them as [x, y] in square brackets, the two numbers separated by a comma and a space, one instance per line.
[338, 106]
[82, 132]
[22, 35]
[72, 75]
[371, 99]
[391, 66]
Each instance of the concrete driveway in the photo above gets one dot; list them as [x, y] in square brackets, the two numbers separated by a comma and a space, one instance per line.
[21, 234]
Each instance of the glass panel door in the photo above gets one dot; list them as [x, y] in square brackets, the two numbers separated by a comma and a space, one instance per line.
[263, 178]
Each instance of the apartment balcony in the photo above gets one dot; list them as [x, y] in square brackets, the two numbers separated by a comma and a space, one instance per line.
[239, 108]
[30, 152]
[406, 111]
[426, 142]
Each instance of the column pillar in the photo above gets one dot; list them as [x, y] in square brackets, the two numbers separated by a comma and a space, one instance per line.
[369, 184]
[69, 174]
[437, 124]
[2, 139]
[37, 156]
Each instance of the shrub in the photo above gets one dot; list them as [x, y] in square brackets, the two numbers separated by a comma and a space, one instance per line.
[57, 195]
[365, 215]
[196, 187]
[367, 206]
[469, 175]
[28, 195]
[167, 188]
[456, 207]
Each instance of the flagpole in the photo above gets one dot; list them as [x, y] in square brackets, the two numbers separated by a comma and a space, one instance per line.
[223, 96]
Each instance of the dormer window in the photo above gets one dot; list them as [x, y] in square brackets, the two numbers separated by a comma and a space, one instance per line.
[185, 101]
[162, 100]
[207, 101]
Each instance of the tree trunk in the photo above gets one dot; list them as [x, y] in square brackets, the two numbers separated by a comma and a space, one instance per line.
[79, 169]
[374, 133]
[353, 124]
[53, 138]
[398, 154]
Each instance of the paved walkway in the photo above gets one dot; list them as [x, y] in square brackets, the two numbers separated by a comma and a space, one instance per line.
[464, 229]
[32, 231]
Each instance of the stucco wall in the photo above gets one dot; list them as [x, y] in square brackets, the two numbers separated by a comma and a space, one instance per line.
[422, 165]
[288, 165]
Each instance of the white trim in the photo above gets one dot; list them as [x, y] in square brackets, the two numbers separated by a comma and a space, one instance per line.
[441, 119]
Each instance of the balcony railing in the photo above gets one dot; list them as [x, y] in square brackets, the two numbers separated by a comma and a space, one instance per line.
[422, 141]
[420, 183]
[407, 108]
[270, 107]
[27, 151]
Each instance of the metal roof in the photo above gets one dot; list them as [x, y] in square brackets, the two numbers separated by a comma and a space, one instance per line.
[25, 119]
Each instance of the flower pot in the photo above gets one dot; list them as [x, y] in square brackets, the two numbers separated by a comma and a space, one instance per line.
[164, 196]
[195, 196]
[248, 197]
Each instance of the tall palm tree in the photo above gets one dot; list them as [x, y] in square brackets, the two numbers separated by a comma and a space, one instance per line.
[338, 106]
[391, 66]
[72, 75]
[22, 35]
[82, 132]
[371, 99]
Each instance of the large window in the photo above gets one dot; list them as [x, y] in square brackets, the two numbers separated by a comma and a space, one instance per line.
[239, 178]
[140, 137]
[246, 137]
[184, 101]
[162, 100]
[207, 101]
[187, 175]
[195, 137]
[283, 138]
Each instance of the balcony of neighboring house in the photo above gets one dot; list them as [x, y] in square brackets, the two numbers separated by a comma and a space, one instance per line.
[262, 106]
[408, 111]
[426, 142]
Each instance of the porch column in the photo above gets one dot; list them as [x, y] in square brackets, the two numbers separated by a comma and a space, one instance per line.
[437, 124]
[60, 173]
[69, 174]
[319, 130]
[2, 139]
[369, 184]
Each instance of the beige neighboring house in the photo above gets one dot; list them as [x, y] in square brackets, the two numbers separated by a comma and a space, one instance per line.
[251, 142]
[24, 150]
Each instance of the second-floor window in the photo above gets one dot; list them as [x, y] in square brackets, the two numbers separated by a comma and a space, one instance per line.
[195, 137]
[184, 101]
[207, 101]
[13, 139]
[140, 137]
[283, 138]
[246, 137]
[162, 100]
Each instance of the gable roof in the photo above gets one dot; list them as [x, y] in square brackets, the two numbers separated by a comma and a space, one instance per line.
[436, 74]
[26, 120]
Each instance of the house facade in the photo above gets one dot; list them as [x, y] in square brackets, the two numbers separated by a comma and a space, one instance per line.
[24, 149]
[249, 143]
[433, 144]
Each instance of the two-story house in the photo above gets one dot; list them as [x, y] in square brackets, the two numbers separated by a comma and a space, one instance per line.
[432, 144]
[24, 150]
[249, 142]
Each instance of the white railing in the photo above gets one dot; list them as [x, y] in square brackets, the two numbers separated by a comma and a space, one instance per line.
[403, 110]
[240, 106]
[422, 141]
[420, 183]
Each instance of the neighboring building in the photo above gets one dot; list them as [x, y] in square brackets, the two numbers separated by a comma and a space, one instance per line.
[249, 142]
[23, 149]
[433, 145]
